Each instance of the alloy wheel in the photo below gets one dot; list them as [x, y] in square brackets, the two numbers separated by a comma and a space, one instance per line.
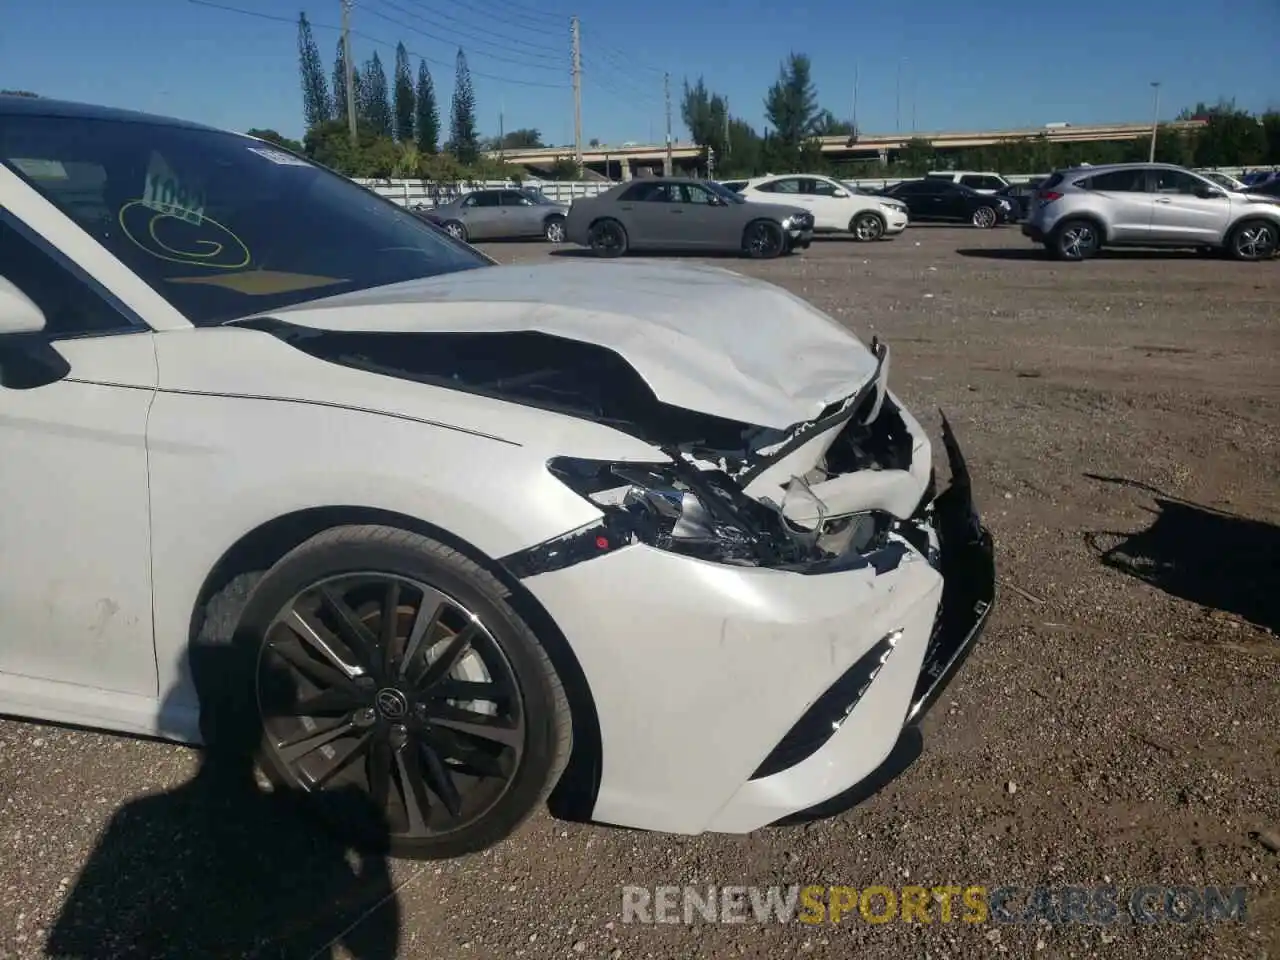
[1255, 241]
[984, 217]
[390, 685]
[764, 240]
[868, 227]
[1079, 240]
[455, 230]
[607, 239]
[555, 231]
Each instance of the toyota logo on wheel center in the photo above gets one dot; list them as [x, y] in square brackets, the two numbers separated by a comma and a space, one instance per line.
[391, 703]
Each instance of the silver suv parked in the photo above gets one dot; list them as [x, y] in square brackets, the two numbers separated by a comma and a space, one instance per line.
[1077, 212]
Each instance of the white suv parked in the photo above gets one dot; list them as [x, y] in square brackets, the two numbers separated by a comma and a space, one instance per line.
[976, 180]
[836, 209]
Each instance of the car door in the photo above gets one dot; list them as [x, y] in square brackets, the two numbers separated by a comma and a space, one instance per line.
[702, 222]
[75, 560]
[481, 214]
[1187, 209]
[1127, 202]
[643, 211]
[924, 198]
[520, 217]
[830, 212]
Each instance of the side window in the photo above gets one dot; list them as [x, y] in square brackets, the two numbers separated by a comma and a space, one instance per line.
[791, 185]
[1176, 181]
[514, 198]
[71, 306]
[469, 200]
[1119, 181]
[646, 193]
[821, 188]
[486, 198]
[695, 194]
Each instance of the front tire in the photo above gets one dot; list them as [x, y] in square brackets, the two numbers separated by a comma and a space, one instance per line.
[608, 238]
[1075, 240]
[984, 218]
[553, 229]
[867, 227]
[763, 240]
[1253, 240]
[456, 229]
[393, 689]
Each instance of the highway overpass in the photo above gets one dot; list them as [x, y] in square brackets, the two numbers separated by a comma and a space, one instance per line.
[625, 161]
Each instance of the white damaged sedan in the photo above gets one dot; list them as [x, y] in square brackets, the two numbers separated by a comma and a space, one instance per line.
[292, 474]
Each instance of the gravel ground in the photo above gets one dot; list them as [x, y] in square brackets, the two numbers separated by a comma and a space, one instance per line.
[1120, 724]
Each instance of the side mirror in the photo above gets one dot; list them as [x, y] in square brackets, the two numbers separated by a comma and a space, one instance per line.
[1209, 193]
[17, 313]
[27, 359]
[718, 201]
[841, 194]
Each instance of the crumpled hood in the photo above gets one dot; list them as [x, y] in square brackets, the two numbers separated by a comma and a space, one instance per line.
[703, 338]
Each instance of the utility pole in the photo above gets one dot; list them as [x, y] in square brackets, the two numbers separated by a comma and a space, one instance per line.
[855, 98]
[913, 103]
[666, 95]
[577, 92]
[726, 126]
[1155, 121]
[897, 102]
[348, 68]
[502, 134]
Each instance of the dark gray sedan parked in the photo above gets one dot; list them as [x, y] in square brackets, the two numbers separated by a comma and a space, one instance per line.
[666, 213]
[501, 215]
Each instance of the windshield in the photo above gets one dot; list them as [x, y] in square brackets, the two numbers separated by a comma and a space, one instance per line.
[720, 190]
[221, 225]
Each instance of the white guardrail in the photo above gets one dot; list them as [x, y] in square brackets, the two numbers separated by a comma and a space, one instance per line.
[409, 193]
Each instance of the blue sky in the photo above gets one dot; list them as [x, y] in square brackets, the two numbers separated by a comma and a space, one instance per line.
[981, 64]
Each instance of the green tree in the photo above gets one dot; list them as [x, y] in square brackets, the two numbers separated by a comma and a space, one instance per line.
[1230, 138]
[705, 115]
[791, 106]
[743, 155]
[1271, 131]
[825, 124]
[464, 141]
[316, 105]
[272, 136]
[374, 106]
[329, 143]
[18, 93]
[526, 138]
[916, 155]
[565, 168]
[405, 97]
[428, 113]
[340, 84]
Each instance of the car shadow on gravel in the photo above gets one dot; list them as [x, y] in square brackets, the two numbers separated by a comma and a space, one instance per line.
[1210, 557]
[1038, 253]
[574, 253]
[221, 867]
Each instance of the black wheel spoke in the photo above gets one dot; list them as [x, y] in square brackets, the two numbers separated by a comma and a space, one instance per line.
[453, 652]
[425, 622]
[357, 637]
[478, 725]
[290, 649]
[417, 805]
[291, 751]
[453, 747]
[333, 700]
[343, 760]
[379, 772]
[389, 625]
[441, 781]
[316, 636]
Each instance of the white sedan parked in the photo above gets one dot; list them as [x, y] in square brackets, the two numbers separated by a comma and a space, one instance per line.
[292, 473]
[836, 209]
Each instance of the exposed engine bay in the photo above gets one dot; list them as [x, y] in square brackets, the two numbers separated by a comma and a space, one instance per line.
[821, 495]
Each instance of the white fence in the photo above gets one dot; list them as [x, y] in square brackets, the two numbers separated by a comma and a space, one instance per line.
[414, 192]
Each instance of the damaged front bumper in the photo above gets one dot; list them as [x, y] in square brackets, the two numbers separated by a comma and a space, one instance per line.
[733, 696]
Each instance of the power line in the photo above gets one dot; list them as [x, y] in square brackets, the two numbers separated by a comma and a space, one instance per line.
[376, 42]
[541, 47]
[623, 61]
[620, 85]
[528, 64]
[533, 15]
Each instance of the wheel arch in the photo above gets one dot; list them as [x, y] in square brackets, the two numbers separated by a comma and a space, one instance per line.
[257, 550]
[1091, 218]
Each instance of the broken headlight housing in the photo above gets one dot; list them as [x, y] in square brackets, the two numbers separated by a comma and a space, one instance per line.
[676, 507]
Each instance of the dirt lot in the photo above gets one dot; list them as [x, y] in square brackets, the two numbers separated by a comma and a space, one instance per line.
[1120, 724]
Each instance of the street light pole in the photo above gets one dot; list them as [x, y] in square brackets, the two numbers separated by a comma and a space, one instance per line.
[1155, 120]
